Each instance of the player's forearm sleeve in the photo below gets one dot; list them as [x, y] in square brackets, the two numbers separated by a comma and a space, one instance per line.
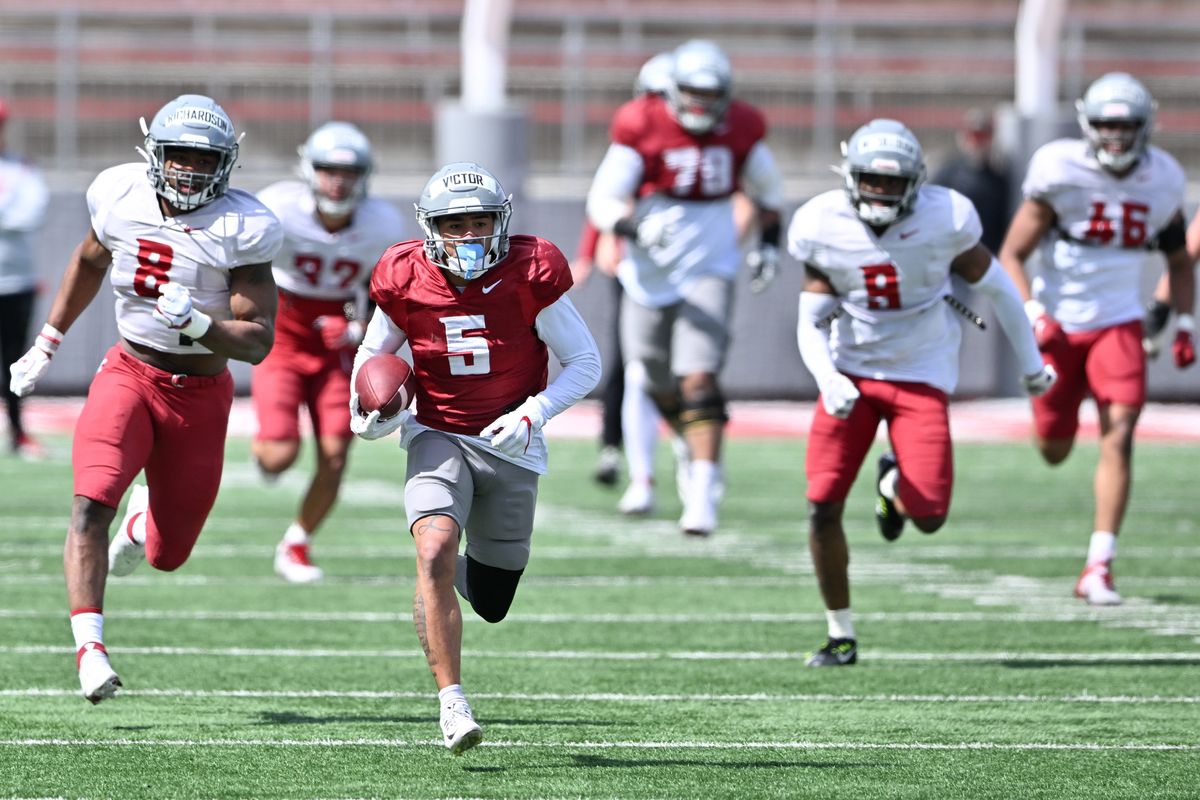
[381, 336]
[1002, 292]
[613, 187]
[813, 337]
[566, 334]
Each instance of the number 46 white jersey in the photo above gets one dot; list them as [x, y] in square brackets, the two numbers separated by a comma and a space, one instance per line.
[195, 250]
[1091, 260]
[893, 323]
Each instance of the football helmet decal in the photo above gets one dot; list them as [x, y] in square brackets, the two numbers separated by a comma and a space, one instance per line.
[882, 147]
[190, 122]
[464, 187]
[701, 86]
[343, 146]
[655, 76]
[1121, 99]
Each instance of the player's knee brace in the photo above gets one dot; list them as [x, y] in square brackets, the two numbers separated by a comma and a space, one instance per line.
[492, 589]
[703, 408]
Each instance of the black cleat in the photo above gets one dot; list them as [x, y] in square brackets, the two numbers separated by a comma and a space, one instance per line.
[835, 653]
[891, 521]
[608, 466]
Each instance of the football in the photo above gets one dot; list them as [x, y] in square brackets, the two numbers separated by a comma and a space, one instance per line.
[385, 383]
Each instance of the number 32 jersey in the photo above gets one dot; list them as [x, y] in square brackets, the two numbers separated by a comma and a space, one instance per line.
[195, 250]
[1091, 259]
[893, 324]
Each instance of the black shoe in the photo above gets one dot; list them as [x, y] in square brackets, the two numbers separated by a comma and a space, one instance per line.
[608, 466]
[835, 653]
[891, 521]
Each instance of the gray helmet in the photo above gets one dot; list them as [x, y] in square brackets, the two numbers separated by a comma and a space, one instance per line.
[340, 145]
[194, 122]
[464, 188]
[699, 65]
[655, 76]
[1117, 97]
[882, 147]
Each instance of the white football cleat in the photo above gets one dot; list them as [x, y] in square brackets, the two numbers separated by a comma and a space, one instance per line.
[124, 554]
[1096, 585]
[638, 499]
[699, 516]
[97, 680]
[293, 565]
[460, 731]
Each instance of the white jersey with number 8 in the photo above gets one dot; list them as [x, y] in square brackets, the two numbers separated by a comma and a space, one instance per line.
[195, 250]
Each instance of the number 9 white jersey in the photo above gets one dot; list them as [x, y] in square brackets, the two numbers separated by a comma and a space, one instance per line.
[195, 250]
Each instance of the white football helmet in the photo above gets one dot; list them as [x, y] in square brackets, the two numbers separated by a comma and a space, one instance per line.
[1117, 97]
[655, 76]
[464, 188]
[701, 86]
[882, 147]
[192, 122]
[340, 145]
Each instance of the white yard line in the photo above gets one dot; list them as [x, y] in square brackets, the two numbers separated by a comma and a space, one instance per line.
[628, 745]
[618, 697]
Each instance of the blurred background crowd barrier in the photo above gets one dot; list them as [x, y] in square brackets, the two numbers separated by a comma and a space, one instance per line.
[78, 75]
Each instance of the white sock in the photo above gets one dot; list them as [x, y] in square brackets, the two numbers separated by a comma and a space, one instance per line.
[451, 693]
[887, 486]
[87, 626]
[840, 624]
[296, 534]
[639, 424]
[703, 475]
[1102, 547]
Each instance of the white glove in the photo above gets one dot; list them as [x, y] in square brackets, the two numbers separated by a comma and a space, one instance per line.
[337, 332]
[1039, 383]
[370, 426]
[764, 263]
[29, 368]
[175, 311]
[838, 395]
[513, 432]
[657, 230]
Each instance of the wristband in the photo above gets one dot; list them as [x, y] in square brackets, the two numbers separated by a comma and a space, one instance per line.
[197, 326]
[49, 339]
[626, 227]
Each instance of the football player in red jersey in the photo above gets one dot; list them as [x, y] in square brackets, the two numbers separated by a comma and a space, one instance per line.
[481, 309]
[677, 161]
[189, 260]
[334, 232]
[1094, 206]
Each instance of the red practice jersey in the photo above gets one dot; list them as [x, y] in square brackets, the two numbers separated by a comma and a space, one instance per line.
[475, 351]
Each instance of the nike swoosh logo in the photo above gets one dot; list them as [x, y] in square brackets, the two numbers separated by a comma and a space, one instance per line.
[487, 289]
[907, 234]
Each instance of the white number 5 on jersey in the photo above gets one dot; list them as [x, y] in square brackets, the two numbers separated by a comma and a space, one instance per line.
[468, 354]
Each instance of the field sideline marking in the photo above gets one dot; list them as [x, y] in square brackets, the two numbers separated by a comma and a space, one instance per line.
[608, 697]
[629, 655]
[686, 745]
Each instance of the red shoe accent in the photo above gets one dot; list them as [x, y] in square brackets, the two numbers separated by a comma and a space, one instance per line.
[1101, 568]
[129, 526]
[298, 553]
[89, 646]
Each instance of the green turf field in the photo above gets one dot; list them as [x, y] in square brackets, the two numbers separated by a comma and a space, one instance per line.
[635, 664]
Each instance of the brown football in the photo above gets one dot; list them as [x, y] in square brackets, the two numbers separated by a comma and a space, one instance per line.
[385, 383]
